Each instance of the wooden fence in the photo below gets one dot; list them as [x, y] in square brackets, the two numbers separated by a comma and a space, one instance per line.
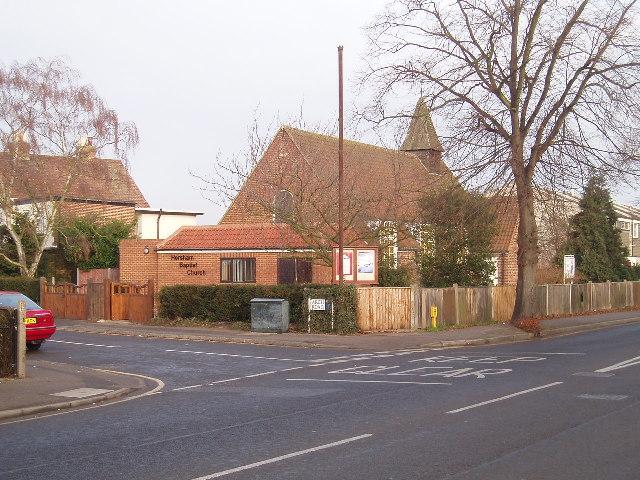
[403, 308]
[97, 301]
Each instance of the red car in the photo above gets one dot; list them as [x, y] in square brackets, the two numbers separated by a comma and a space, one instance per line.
[40, 324]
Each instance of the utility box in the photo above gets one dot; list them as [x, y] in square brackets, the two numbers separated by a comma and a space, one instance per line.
[269, 315]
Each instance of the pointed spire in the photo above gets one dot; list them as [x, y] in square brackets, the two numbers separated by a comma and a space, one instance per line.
[421, 134]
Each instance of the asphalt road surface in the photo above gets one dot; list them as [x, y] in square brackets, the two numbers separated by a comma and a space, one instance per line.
[562, 408]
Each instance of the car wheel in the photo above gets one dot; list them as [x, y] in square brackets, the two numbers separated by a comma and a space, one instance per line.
[33, 345]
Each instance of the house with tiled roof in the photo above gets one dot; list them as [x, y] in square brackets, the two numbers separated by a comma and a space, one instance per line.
[296, 181]
[264, 253]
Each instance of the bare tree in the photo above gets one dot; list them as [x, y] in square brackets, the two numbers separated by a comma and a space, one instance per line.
[534, 91]
[44, 110]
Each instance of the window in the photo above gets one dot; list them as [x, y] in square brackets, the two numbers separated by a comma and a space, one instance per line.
[238, 270]
[294, 270]
[388, 234]
[636, 230]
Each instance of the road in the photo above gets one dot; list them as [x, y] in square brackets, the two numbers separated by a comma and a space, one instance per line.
[561, 408]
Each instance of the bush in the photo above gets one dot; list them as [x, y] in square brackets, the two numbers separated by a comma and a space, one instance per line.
[394, 277]
[29, 286]
[232, 303]
[344, 309]
[225, 303]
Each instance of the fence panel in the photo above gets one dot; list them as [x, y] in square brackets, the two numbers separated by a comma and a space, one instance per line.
[65, 300]
[559, 299]
[474, 305]
[600, 296]
[504, 301]
[431, 297]
[580, 298]
[95, 303]
[132, 302]
[381, 309]
[618, 294]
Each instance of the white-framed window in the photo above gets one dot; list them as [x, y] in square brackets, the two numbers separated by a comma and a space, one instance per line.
[636, 229]
[238, 270]
[388, 235]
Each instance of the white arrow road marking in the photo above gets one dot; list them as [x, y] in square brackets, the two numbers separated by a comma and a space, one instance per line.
[499, 399]
[282, 457]
[618, 366]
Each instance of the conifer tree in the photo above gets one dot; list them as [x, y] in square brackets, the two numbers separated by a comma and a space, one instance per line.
[594, 237]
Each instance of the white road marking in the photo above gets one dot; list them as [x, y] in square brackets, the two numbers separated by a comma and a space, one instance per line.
[235, 355]
[261, 374]
[361, 381]
[499, 399]
[85, 344]
[618, 366]
[283, 457]
[186, 388]
[589, 396]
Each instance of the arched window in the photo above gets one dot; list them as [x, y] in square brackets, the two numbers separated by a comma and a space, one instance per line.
[282, 206]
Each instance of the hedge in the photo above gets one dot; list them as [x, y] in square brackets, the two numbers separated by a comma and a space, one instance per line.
[344, 309]
[231, 303]
[29, 286]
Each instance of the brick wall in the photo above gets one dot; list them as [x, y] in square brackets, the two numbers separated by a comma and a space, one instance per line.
[136, 266]
[508, 263]
[125, 213]
[253, 204]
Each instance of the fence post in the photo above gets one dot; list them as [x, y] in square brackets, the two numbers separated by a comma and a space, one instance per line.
[107, 299]
[609, 285]
[570, 306]
[152, 296]
[546, 303]
[21, 347]
[43, 286]
[455, 304]
[415, 307]
[590, 285]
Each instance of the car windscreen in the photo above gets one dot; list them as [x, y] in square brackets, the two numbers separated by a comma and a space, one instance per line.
[10, 300]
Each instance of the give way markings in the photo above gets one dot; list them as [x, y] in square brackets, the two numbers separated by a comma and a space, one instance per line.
[434, 368]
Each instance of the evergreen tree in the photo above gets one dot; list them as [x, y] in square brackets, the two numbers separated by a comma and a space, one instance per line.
[594, 237]
[456, 239]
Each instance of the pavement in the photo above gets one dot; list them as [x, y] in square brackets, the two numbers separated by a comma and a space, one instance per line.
[480, 335]
[555, 408]
[53, 386]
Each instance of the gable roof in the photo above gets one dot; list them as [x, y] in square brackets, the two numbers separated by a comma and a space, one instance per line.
[93, 179]
[259, 236]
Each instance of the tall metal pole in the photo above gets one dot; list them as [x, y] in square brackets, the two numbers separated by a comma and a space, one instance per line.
[340, 169]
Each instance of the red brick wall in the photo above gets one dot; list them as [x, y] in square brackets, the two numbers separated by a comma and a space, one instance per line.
[136, 266]
[125, 213]
[508, 263]
[253, 204]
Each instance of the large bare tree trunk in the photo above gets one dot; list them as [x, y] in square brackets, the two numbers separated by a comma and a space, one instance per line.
[527, 253]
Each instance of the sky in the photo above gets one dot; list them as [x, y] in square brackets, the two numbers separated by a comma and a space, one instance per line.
[192, 74]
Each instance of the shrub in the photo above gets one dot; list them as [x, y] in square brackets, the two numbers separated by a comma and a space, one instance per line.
[29, 286]
[225, 303]
[394, 277]
[344, 309]
[232, 303]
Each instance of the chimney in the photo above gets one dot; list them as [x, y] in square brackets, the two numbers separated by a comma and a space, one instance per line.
[85, 149]
[18, 144]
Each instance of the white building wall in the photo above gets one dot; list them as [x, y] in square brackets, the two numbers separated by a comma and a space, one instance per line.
[148, 224]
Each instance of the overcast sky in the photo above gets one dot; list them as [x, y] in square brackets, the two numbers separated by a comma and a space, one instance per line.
[191, 74]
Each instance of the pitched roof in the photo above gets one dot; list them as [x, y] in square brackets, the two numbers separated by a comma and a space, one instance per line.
[421, 134]
[388, 180]
[234, 237]
[93, 179]
[506, 211]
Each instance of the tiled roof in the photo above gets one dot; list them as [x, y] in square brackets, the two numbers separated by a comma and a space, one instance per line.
[94, 179]
[506, 210]
[381, 179]
[234, 237]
